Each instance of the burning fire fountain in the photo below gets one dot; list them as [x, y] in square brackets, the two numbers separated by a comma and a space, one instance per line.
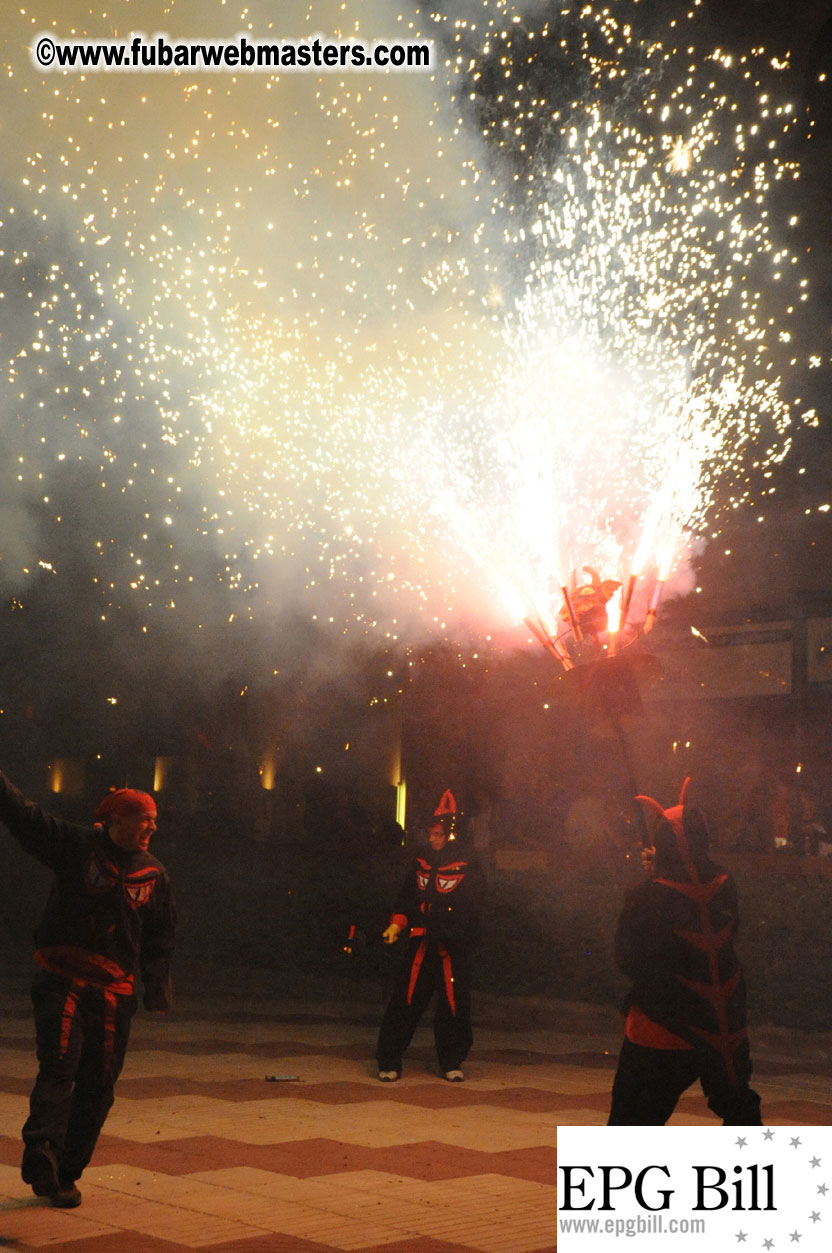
[596, 619]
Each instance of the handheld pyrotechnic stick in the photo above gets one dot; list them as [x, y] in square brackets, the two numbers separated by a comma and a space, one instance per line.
[565, 660]
[614, 622]
[654, 606]
[625, 602]
[550, 643]
[615, 719]
[573, 618]
[540, 635]
[554, 644]
[561, 653]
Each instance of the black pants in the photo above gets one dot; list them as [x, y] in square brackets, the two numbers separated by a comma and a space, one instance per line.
[82, 1035]
[649, 1082]
[452, 1022]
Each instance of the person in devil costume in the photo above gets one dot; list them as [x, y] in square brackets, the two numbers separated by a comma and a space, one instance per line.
[439, 907]
[686, 1012]
[109, 915]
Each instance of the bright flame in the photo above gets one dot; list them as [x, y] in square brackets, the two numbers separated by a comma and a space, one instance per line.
[614, 611]
[401, 803]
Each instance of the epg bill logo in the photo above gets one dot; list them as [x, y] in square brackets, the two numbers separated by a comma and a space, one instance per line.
[708, 1180]
[762, 1187]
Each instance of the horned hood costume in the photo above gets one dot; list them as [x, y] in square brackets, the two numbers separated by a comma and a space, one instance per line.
[686, 976]
[687, 1004]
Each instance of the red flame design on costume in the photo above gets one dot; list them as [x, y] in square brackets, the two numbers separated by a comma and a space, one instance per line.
[705, 938]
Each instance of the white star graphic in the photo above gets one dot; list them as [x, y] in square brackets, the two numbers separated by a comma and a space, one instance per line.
[815, 1216]
[740, 1142]
[741, 1237]
[795, 1142]
[794, 1236]
[768, 1135]
[815, 1161]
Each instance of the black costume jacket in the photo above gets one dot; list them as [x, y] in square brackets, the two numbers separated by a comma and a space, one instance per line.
[441, 897]
[110, 912]
[675, 941]
[440, 902]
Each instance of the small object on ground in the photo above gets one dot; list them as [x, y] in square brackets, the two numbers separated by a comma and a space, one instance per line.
[388, 1076]
[281, 1078]
[454, 1076]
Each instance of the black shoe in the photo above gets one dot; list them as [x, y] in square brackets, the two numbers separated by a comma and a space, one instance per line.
[40, 1169]
[66, 1196]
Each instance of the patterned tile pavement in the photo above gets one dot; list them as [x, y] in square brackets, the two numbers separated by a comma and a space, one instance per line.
[203, 1151]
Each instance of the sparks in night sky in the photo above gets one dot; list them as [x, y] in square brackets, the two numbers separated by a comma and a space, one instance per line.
[394, 345]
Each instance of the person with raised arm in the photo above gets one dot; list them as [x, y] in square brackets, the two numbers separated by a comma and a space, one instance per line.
[109, 917]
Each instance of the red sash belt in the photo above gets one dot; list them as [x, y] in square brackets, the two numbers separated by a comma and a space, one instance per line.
[447, 968]
[85, 968]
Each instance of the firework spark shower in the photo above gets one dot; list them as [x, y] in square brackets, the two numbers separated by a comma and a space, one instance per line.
[395, 343]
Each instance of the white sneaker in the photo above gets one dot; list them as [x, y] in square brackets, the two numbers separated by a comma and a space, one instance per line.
[388, 1076]
[454, 1076]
